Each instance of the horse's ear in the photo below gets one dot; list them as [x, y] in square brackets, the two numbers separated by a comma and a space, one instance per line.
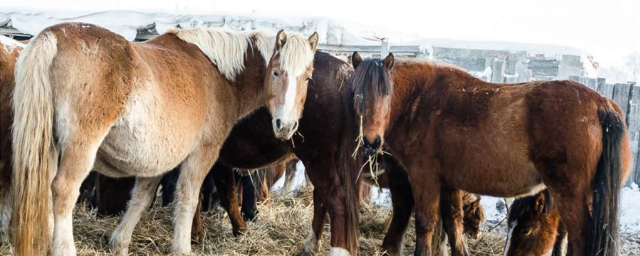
[541, 203]
[281, 39]
[313, 41]
[356, 59]
[389, 61]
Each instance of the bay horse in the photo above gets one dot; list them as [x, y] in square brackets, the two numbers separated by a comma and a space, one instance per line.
[534, 227]
[435, 119]
[138, 109]
[9, 51]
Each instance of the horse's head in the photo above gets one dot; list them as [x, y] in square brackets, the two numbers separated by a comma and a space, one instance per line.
[532, 226]
[371, 88]
[473, 217]
[287, 76]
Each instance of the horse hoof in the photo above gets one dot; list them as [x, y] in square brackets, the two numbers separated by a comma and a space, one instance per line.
[239, 231]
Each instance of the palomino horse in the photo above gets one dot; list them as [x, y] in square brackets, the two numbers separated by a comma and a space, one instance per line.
[435, 119]
[9, 51]
[534, 227]
[139, 109]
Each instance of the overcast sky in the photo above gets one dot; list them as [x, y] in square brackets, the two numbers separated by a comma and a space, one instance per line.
[607, 29]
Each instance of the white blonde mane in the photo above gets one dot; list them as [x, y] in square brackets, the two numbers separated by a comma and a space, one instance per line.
[227, 49]
[296, 55]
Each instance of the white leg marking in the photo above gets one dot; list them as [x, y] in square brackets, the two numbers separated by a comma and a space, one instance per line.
[312, 244]
[63, 237]
[508, 243]
[337, 251]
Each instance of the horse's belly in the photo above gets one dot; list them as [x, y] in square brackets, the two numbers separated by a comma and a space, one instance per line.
[147, 141]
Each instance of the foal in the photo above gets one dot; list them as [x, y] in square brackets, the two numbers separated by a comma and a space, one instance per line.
[139, 109]
[435, 119]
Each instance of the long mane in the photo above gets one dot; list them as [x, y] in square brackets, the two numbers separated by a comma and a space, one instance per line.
[227, 49]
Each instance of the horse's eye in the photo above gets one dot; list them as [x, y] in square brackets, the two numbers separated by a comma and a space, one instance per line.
[275, 73]
[525, 231]
[308, 79]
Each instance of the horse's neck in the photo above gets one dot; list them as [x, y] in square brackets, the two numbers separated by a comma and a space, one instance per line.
[249, 89]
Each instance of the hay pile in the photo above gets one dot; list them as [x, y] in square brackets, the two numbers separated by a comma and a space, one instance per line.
[283, 225]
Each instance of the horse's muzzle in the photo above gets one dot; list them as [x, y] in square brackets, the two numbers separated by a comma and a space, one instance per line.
[284, 130]
[372, 147]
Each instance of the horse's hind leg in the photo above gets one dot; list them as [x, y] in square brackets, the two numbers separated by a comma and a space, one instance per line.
[574, 212]
[452, 220]
[141, 197]
[192, 173]
[78, 157]
[226, 186]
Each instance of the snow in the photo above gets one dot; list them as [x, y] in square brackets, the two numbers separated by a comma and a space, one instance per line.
[10, 44]
[630, 209]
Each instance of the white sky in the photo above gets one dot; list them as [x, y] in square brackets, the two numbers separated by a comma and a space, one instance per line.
[608, 29]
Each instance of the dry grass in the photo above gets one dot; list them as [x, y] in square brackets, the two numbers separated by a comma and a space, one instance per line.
[282, 227]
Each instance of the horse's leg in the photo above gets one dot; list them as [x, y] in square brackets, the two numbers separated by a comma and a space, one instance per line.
[169, 186]
[192, 172]
[427, 199]
[452, 220]
[141, 196]
[249, 208]
[226, 186]
[78, 157]
[208, 190]
[574, 212]
[196, 226]
[289, 176]
[312, 244]
[5, 213]
[402, 202]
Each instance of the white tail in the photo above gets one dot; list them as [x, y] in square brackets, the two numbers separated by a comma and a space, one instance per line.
[34, 151]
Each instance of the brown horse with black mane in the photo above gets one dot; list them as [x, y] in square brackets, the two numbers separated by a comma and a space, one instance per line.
[436, 119]
[138, 109]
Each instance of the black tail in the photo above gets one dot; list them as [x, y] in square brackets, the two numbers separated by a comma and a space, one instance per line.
[607, 183]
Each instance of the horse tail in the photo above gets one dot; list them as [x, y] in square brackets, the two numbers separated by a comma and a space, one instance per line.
[34, 151]
[608, 180]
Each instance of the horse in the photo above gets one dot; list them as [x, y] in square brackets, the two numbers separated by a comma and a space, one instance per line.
[534, 227]
[139, 109]
[9, 51]
[436, 118]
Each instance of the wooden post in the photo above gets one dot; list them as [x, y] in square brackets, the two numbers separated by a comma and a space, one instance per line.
[593, 84]
[600, 83]
[621, 94]
[574, 78]
[634, 133]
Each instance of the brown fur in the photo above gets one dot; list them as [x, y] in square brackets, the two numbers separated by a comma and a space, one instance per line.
[181, 93]
[530, 135]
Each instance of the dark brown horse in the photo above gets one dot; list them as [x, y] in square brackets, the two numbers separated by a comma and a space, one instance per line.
[435, 119]
[534, 227]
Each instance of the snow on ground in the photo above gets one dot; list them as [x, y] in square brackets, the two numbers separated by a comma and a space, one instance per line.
[630, 210]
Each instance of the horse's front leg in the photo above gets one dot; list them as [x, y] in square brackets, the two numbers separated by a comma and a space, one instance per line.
[226, 187]
[312, 244]
[141, 197]
[192, 173]
[402, 202]
[426, 193]
[452, 220]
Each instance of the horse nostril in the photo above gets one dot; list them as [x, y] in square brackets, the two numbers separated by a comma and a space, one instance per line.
[366, 141]
[377, 142]
[278, 124]
[295, 126]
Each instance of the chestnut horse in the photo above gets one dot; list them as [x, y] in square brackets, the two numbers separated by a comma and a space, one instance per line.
[534, 227]
[435, 119]
[9, 51]
[138, 109]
